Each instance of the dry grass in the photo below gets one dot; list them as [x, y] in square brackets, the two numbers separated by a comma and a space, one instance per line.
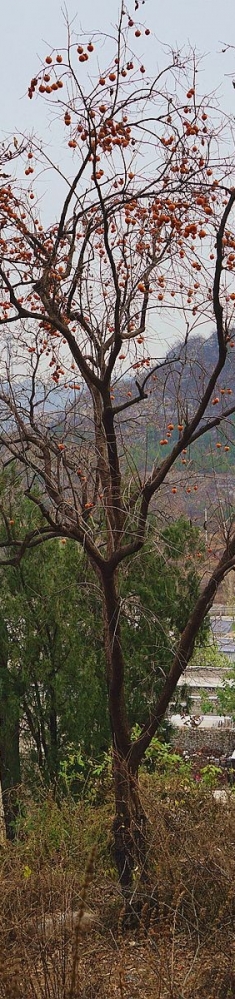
[190, 954]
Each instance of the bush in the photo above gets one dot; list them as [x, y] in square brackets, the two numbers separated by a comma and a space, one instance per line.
[62, 857]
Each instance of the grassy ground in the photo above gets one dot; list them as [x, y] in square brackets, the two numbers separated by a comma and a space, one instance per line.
[63, 859]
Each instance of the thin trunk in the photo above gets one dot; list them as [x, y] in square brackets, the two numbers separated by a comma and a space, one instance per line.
[52, 760]
[10, 775]
[34, 729]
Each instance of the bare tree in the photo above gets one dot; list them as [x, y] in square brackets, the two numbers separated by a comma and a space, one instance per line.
[144, 234]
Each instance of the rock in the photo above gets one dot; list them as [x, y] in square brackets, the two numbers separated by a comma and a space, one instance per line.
[221, 795]
[52, 924]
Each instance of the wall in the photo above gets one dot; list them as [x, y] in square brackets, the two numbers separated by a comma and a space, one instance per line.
[211, 742]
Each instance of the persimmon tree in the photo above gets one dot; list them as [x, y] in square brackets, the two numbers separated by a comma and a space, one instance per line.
[144, 233]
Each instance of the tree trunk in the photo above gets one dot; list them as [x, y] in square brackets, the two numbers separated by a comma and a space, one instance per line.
[52, 759]
[10, 776]
[9, 769]
[131, 847]
[130, 823]
[130, 832]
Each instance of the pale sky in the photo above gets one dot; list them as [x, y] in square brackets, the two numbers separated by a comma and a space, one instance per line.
[26, 25]
[30, 27]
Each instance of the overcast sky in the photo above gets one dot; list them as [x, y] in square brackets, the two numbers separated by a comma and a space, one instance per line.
[26, 25]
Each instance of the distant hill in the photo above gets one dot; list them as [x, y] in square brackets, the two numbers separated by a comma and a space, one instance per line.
[205, 476]
[173, 393]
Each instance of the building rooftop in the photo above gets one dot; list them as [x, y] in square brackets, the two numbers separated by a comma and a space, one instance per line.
[201, 721]
[203, 676]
